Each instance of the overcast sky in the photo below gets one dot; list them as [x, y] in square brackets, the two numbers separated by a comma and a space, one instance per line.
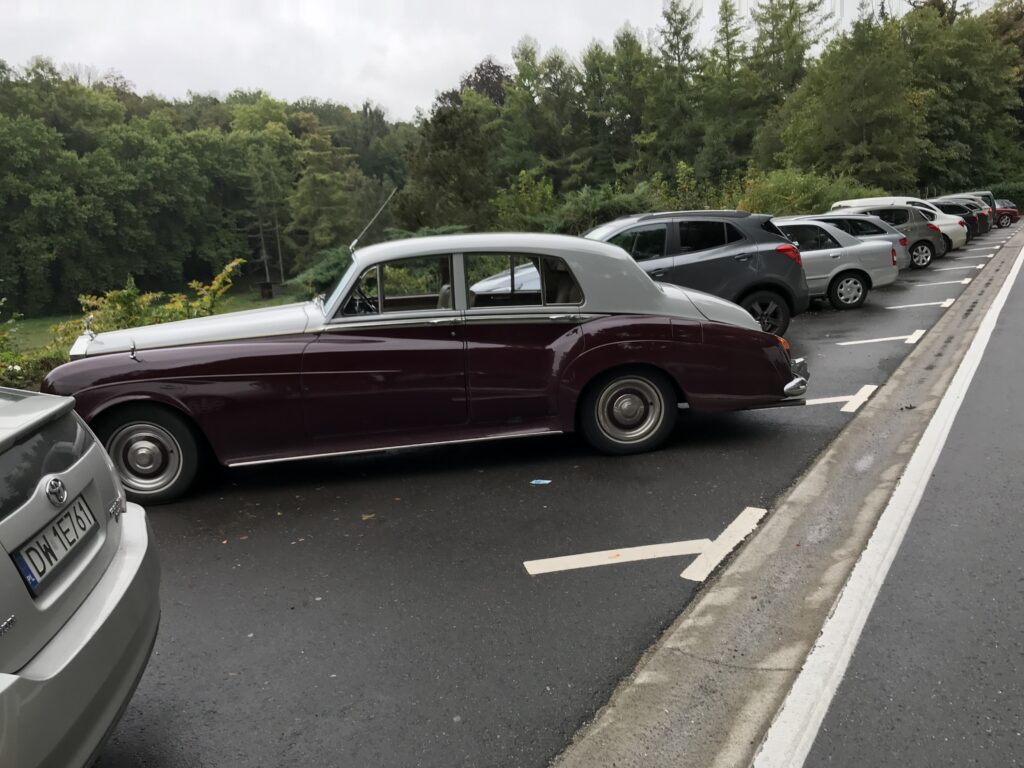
[398, 53]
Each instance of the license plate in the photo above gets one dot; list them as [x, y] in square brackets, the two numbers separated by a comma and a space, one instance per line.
[40, 557]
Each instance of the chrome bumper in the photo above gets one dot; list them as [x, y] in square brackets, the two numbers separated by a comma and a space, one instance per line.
[798, 386]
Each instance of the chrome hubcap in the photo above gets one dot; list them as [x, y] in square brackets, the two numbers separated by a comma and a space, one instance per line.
[921, 255]
[850, 290]
[147, 456]
[630, 409]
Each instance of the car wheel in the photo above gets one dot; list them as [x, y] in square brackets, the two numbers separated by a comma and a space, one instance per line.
[629, 411]
[848, 290]
[921, 255]
[1004, 221]
[769, 309]
[949, 245]
[155, 451]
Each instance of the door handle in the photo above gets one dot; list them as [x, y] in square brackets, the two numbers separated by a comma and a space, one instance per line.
[555, 318]
[658, 273]
[836, 254]
[743, 256]
[446, 321]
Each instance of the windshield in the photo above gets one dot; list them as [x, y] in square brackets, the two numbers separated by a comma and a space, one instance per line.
[335, 296]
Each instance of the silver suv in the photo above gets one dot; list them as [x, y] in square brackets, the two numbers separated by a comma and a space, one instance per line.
[79, 602]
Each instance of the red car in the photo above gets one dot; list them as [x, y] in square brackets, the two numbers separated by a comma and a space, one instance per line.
[426, 341]
[1006, 213]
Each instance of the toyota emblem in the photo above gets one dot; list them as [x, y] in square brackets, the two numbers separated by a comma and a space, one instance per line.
[56, 492]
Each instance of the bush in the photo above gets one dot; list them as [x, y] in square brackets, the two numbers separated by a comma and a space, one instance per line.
[788, 191]
[1009, 190]
[526, 204]
[123, 308]
[321, 278]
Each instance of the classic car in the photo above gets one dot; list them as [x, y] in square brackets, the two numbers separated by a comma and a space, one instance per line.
[406, 353]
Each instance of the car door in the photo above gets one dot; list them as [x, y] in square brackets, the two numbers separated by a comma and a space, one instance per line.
[820, 252]
[712, 256]
[521, 329]
[391, 363]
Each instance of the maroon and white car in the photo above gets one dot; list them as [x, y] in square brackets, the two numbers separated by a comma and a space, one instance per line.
[426, 341]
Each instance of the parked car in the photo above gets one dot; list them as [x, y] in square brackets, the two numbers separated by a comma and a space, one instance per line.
[737, 255]
[988, 197]
[925, 238]
[986, 216]
[407, 351]
[79, 586]
[961, 209]
[952, 228]
[866, 227]
[838, 265]
[1006, 213]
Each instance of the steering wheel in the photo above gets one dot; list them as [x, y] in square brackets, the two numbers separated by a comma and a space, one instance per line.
[363, 304]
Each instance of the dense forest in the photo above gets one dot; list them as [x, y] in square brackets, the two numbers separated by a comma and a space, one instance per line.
[781, 111]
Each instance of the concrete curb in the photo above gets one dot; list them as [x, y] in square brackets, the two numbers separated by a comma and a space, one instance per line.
[707, 692]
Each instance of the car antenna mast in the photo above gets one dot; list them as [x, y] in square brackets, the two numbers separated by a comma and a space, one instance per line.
[352, 245]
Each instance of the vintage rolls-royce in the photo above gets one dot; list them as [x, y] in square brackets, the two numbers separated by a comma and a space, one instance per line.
[426, 341]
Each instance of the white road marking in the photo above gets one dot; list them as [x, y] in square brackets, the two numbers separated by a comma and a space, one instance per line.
[953, 269]
[850, 402]
[965, 281]
[710, 553]
[726, 542]
[911, 339]
[792, 734]
[944, 304]
[980, 256]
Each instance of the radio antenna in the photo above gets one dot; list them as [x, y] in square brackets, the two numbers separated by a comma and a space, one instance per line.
[380, 210]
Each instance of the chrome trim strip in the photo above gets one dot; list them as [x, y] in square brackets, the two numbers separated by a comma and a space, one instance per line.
[429, 317]
[509, 436]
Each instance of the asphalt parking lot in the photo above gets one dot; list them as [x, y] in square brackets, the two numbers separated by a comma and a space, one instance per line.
[377, 610]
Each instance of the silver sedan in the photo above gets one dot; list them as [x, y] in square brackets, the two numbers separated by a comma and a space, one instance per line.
[838, 265]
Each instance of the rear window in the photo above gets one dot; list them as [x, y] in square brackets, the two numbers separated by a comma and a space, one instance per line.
[770, 228]
[696, 235]
[52, 449]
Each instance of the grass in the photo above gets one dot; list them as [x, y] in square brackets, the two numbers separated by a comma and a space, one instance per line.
[34, 332]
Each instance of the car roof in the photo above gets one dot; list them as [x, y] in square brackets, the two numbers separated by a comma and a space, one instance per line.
[21, 413]
[529, 242]
[721, 213]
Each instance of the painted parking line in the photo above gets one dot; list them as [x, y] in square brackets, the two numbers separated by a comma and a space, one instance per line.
[944, 304]
[911, 339]
[709, 552]
[979, 256]
[851, 403]
[953, 269]
[965, 281]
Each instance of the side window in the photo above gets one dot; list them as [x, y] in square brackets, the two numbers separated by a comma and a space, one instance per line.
[695, 235]
[825, 240]
[518, 280]
[862, 228]
[423, 282]
[894, 216]
[732, 235]
[927, 215]
[807, 237]
[849, 226]
[642, 243]
[502, 280]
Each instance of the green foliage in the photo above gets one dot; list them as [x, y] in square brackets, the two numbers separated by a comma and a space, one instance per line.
[327, 269]
[526, 204]
[789, 191]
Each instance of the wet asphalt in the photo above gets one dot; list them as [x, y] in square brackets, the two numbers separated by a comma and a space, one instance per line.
[375, 611]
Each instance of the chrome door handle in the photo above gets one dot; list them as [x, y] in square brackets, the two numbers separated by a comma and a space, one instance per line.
[658, 273]
[836, 254]
[560, 317]
[742, 256]
[445, 320]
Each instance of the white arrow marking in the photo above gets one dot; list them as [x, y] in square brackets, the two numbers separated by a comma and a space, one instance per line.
[851, 402]
[944, 304]
[951, 269]
[711, 553]
[911, 339]
[965, 281]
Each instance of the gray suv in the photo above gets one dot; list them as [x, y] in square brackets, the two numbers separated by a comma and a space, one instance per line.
[736, 255]
[78, 586]
[924, 239]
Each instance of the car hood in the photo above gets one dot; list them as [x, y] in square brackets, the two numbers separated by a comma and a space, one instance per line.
[270, 321]
[715, 309]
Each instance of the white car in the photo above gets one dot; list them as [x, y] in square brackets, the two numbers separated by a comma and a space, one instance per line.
[838, 265]
[79, 587]
[953, 228]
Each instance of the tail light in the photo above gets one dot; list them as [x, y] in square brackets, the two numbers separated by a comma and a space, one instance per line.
[790, 252]
[961, 222]
[904, 242]
[934, 228]
[894, 257]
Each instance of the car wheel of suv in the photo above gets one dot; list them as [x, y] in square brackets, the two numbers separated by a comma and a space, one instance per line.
[848, 290]
[629, 411]
[1004, 221]
[154, 451]
[921, 255]
[769, 309]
